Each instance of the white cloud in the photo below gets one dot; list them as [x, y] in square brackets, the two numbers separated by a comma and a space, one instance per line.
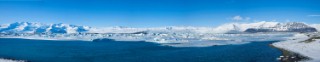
[314, 15]
[239, 18]
[247, 18]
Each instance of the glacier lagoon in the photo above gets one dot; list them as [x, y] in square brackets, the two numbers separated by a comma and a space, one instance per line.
[118, 51]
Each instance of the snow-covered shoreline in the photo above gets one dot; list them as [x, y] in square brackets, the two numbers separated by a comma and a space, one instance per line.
[298, 44]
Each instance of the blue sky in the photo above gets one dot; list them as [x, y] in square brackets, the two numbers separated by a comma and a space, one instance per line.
[156, 13]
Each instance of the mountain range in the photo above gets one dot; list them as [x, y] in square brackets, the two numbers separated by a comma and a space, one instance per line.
[32, 27]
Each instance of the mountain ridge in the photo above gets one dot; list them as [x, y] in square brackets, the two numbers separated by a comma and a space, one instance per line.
[284, 27]
[32, 27]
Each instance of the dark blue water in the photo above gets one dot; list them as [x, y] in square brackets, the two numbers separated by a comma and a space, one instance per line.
[114, 51]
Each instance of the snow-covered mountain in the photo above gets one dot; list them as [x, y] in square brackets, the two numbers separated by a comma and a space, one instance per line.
[263, 26]
[30, 27]
[284, 27]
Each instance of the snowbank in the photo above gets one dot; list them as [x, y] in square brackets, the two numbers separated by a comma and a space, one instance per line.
[296, 44]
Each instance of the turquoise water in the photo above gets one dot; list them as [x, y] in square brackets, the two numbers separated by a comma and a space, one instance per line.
[118, 51]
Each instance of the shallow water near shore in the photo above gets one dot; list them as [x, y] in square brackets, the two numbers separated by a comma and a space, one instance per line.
[120, 51]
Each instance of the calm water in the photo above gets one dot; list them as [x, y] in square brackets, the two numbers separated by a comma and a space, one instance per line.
[113, 51]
